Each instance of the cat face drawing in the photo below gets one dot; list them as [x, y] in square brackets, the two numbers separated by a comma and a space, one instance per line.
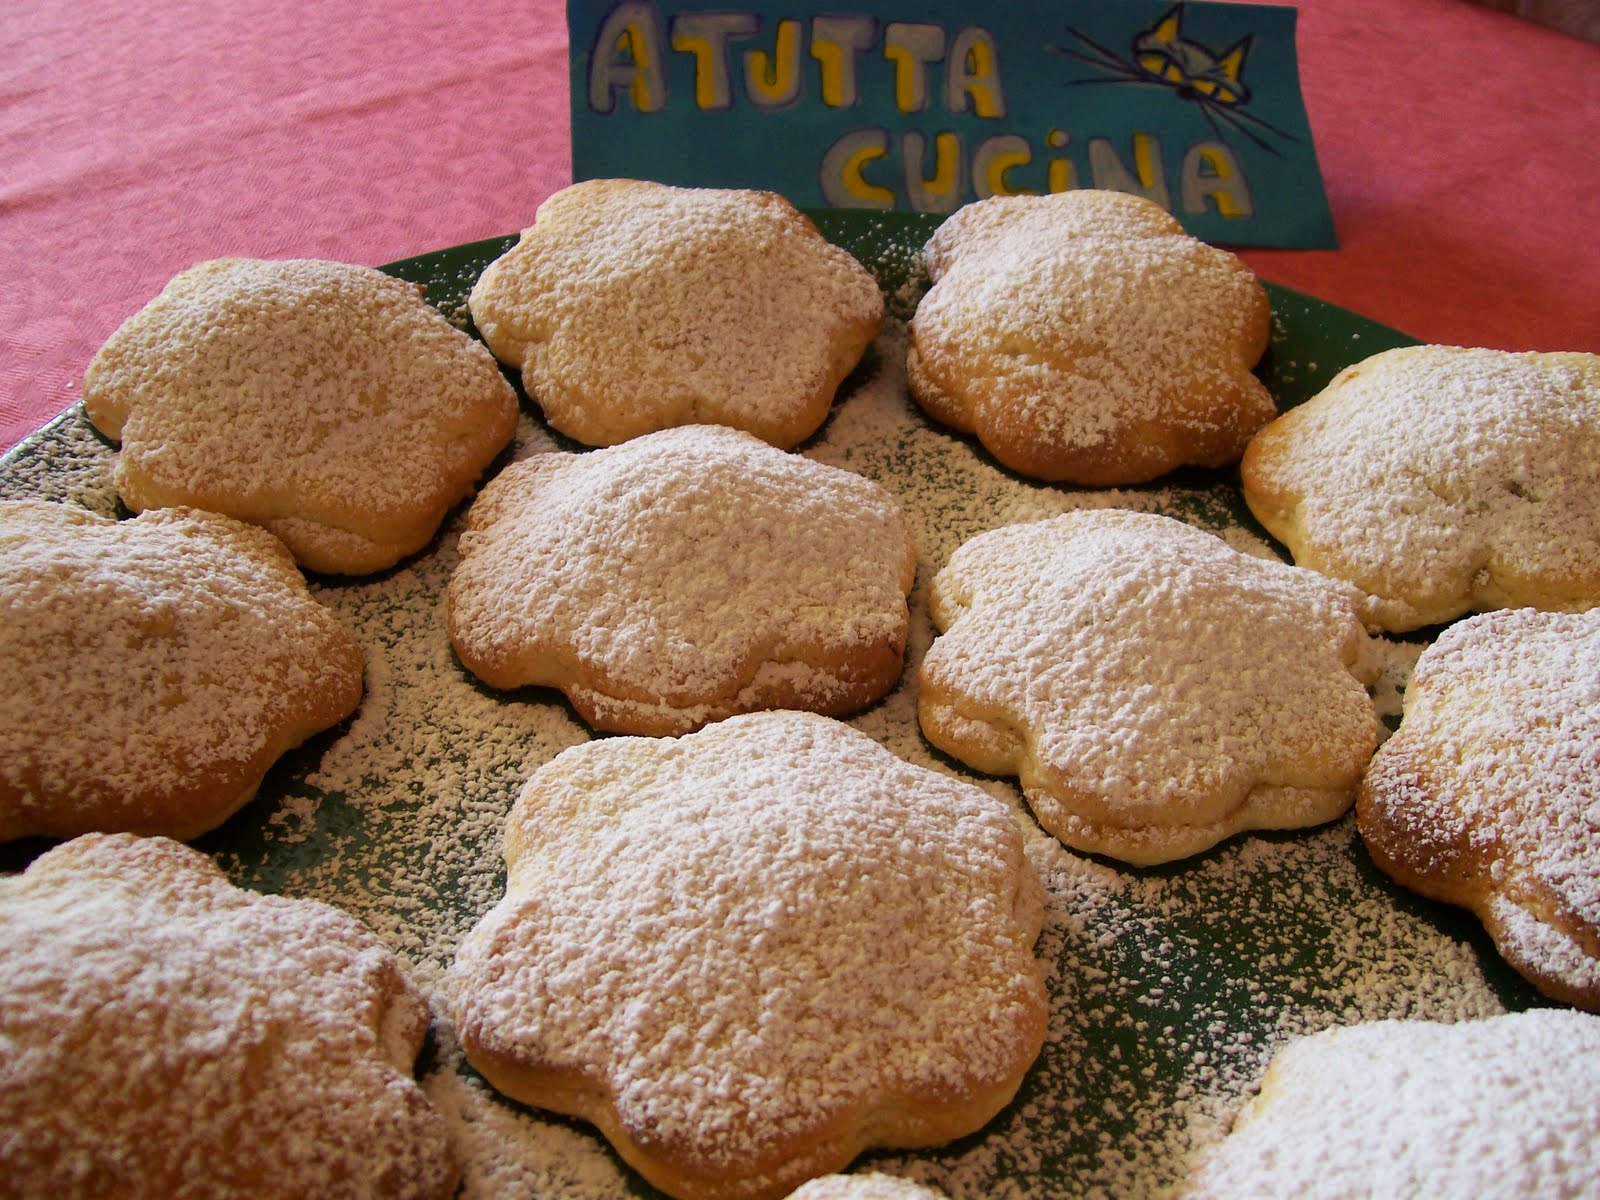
[1162, 51]
[1162, 57]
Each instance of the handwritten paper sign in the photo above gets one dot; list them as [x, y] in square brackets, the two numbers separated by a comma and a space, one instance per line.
[924, 106]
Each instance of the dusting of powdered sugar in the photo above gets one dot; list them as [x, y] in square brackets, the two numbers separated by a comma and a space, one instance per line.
[1169, 988]
[1444, 479]
[1501, 1108]
[1053, 633]
[1499, 751]
[631, 306]
[133, 972]
[677, 570]
[1087, 333]
[159, 665]
[324, 400]
[865, 1185]
[700, 909]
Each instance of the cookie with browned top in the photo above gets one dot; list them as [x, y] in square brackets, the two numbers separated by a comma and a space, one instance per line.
[1488, 795]
[1442, 480]
[328, 403]
[632, 306]
[684, 576]
[1083, 337]
[1155, 690]
[750, 953]
[157, 668]
[165, 1035]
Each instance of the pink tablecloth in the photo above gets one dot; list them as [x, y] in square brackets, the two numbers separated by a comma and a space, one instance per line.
[1458, 145]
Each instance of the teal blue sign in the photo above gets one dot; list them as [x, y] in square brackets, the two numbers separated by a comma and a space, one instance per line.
[925, 106]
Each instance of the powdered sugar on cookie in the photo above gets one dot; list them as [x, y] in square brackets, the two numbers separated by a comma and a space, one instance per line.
[1502, 1108]
[327, 402]
[1256, 716]
[684, 576]
[632, 306]
[159, 666]
[1085, 337]
[866, 1185]
[1442, 480]
[1489, 793]
[749, 953]
[167, 1036]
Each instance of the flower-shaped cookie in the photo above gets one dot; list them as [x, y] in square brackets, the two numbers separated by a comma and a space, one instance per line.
[158, 667]
[752, 952]
[165, 1035]
[682, 577]
[1497, 1109]
[632, 306]
[328, 403]
[1155, 690]
[1488, 795]
[1442, 480]
[1084, 337]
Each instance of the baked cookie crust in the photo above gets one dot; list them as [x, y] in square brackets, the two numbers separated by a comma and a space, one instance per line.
[165, 1035]
[328, 403]
[1500, 1108]
[1154, 690]
[750, 953]
[159, 666]
[631, 306]
[1488, 795]
[1085, 338]
[1442, 480]
[682, 577]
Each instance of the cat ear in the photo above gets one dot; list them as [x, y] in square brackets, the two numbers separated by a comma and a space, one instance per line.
[1227, 88]
[1168, 29]
[1157, 48]
[1231, 64]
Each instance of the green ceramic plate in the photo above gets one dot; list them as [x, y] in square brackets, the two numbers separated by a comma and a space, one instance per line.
[1170, 987]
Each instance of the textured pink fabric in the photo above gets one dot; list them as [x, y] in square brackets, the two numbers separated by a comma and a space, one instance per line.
[1461, 152]
[140, 136]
